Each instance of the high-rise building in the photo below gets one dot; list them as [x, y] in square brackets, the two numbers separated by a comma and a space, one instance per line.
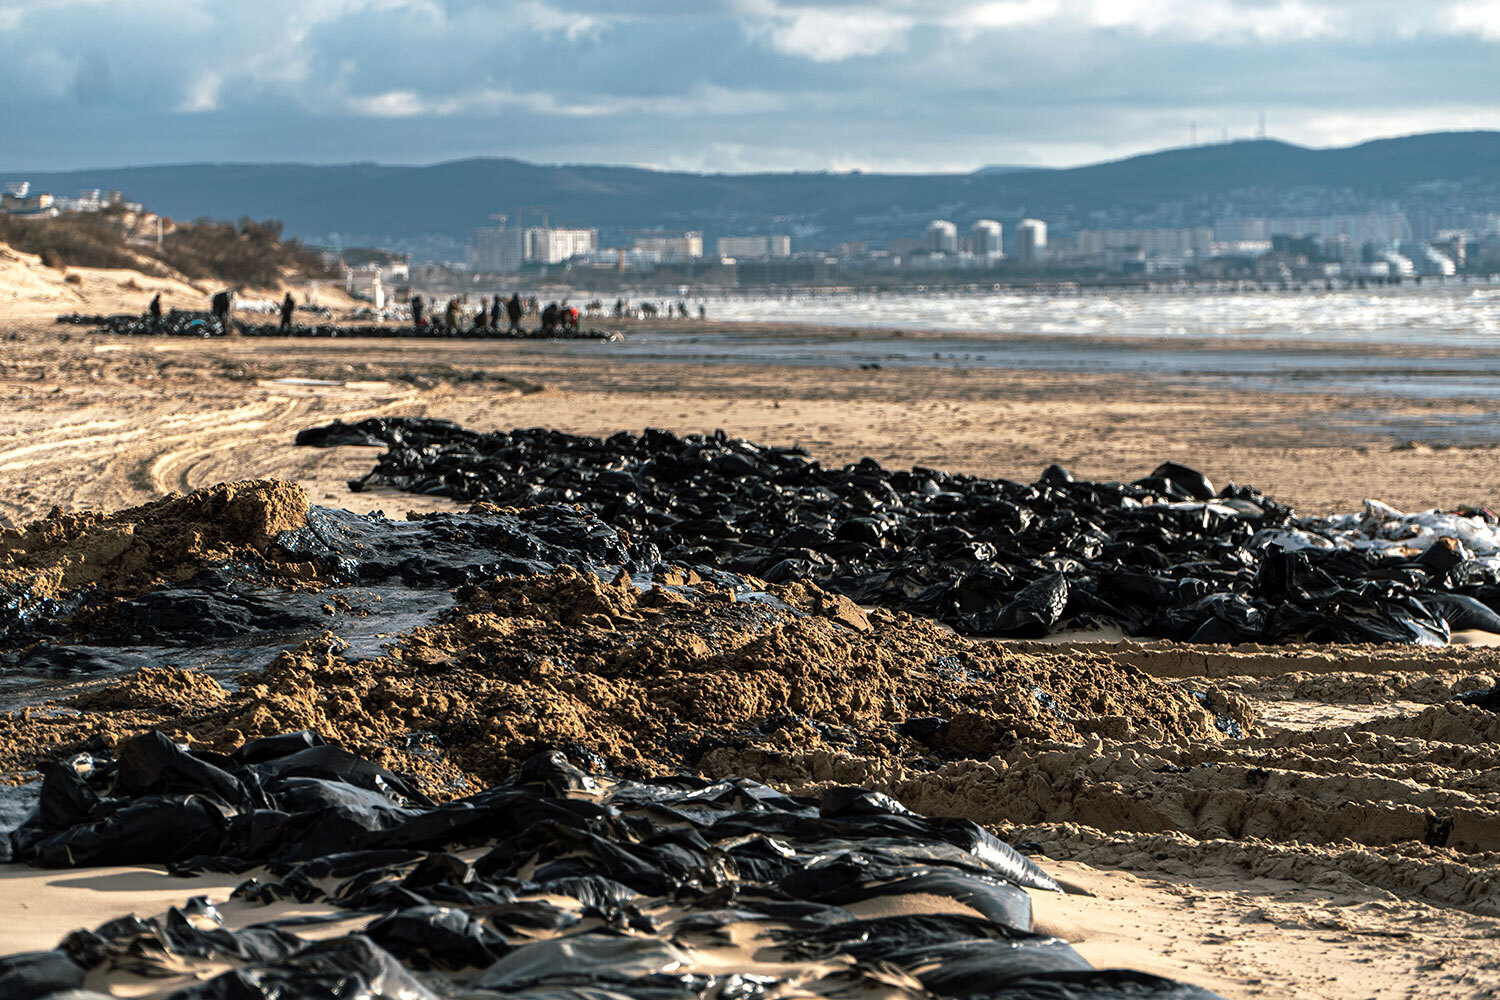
[505, 249]
[942, 236]
[499, 249]
[545, 245]
[754, 247]
[984, 238]
[1031, 241]
[688, 246]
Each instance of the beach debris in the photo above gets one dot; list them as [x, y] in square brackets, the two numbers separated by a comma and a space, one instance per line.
[187, 323]
[1165, 556]
[554, 882]
[233, 574]
[454, 646]
[1487, 698]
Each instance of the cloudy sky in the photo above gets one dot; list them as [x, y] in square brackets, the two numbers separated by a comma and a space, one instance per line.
[732, 85]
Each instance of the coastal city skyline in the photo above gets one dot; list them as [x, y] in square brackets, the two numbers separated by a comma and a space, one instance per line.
[1419, 206]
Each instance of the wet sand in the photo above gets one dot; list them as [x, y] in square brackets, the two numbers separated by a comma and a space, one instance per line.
[1219, 873]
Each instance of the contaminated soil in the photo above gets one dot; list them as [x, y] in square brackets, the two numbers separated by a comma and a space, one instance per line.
[1383, 825]
[647, 680]
[130, 551]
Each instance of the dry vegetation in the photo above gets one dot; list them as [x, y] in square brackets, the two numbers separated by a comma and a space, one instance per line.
[247, 252]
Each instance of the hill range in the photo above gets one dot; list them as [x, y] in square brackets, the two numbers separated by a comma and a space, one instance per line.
[441, 204]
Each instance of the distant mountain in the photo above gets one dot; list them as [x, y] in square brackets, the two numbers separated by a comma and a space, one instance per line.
[440, 205]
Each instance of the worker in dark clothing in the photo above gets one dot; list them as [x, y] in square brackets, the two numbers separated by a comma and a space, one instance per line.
[417, 319]
[513, 310]
[222, 304]
[497, 305]
[482, 318]
[154, 310]
[288, 306]
[549, 319]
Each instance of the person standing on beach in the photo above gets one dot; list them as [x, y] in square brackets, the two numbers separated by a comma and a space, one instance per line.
[496, 305]
[455, 314]
[513, 310]
[288, 306]
[482, 317]
[223, 306]
[154, 311]
[417, 319]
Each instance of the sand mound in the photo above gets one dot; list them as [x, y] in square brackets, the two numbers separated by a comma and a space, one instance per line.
[125, 553]
[165, 689]
[645, 680]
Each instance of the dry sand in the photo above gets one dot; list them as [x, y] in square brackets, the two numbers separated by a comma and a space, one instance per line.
[1289, 866]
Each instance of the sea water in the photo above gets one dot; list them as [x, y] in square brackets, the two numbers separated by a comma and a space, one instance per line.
[1451, 313]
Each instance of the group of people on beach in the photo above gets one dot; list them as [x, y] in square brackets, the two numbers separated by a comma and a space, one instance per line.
[555, 317]
[489, 315]
[455, 318]
[222, 307]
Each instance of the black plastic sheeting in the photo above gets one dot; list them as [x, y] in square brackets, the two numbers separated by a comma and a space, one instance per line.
[554, 885]
[1486, 698]
[180, 323]
[1167, 556]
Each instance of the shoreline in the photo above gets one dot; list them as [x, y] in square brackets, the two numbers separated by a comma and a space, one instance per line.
[110, 422]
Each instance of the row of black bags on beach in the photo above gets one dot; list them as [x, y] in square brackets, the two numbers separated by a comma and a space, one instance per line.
[1168, 555]
[188, 323]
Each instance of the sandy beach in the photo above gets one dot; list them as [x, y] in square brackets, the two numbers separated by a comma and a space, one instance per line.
[1290, 864]
[107, 422]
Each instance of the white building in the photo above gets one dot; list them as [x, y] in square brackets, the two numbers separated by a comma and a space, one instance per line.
[942, 236]
[544, 245]
[985, 239]
[688, 246]
[1031, 241]
[504, 249]
[754, 247]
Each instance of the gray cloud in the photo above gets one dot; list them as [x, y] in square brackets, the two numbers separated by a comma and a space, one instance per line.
[732, 84]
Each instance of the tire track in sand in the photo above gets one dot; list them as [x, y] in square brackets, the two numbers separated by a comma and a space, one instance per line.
[118, 463]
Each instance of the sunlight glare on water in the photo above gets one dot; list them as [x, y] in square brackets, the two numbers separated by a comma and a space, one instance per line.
[1457, 314]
